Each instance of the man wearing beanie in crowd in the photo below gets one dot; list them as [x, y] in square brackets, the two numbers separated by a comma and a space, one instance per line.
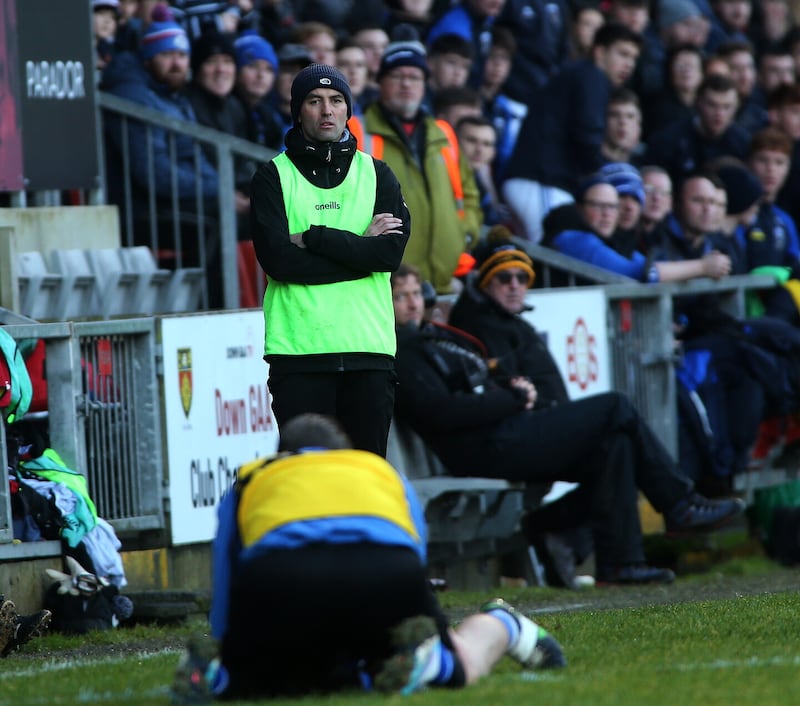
[257, 66]
[156, 77]
[475, 404]
[328, 225]
[437, 181]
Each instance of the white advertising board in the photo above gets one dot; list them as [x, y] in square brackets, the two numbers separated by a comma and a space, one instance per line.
[217, 412]
[573, 322]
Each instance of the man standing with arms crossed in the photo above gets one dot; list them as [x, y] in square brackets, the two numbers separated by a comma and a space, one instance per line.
[329, 225]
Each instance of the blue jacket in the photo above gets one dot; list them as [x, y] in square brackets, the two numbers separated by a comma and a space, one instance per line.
[591, 248]
[127, 78]
[297, 500]
[770, 240]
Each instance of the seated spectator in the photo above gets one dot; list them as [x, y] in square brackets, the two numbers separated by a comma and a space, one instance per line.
[199, 17]
[594, 242]
[419, 14]
[685, 147]
[104, 30]
[622, 140]
[437, 182]
[627, 180]
[743, 193]
[280, 539]
[477, 138]
[587, 18]
[676, 100]
[740, 57]
[541, 29]
[783, 107]
[469, 19]
[351, 60]
[657, 200]
[505, 113]
[772, 240]
[775, 68]
[449, 62]
[373, 40]
[319, 39]
[558, 146]
[292, 59]
[256, 69]
[730, 22]
[481, 421]
[16, 630]
[772, 26]
[453, 104]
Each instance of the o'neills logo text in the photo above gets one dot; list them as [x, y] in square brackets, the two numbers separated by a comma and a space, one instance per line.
[326, 206]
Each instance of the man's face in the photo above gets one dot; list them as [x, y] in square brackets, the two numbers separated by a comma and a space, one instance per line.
[322, 48]
[687, 71]
[508, 288]
[486, 8]
[634, 18]
[217, 74]
[623, 125]
[170, 68]
[716, 110]
[256, 79]
[699, 207]
[734, 13]
[374, 43]
[629, 211]
[617, 61]
[787, 118]
[409, 306]
[478, 143]
[600, 207]
[323, 115]
[402, 90]
[104, 23]
[449, 70]
[771, 167]
[496, 69]
[743, 72]
[657, 195]
[776, 70]
[352, 62]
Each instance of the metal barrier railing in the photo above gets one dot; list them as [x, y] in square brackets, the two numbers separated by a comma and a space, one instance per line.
[200, 229]
[121, 405]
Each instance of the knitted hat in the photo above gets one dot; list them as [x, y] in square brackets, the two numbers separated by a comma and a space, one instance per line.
[163, 36]
[409, 53]
[208, 45]
[295, 54]
[251, 47]
[625, 178]
[318, 76]
[588, 182]
[673, 11]
[498, 254]
[105, 4]
[742, 187]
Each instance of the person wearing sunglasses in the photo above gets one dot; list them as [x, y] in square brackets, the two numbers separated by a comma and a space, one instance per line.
[485, 410]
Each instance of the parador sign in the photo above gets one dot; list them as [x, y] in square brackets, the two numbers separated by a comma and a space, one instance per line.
[57, 80]
[56, 97]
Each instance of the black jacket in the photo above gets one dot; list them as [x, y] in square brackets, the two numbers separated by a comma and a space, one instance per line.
[448, 396]
[515, 346]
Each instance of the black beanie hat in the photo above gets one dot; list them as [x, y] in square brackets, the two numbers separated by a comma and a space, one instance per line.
[318, 76]
[742, 187]
[207, 45]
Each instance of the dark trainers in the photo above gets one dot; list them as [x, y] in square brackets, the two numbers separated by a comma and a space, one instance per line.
[536, 648]
[632, 574]
[197, 672]
[28, 627]
[696, 513]
[416, 646]
[9, 619]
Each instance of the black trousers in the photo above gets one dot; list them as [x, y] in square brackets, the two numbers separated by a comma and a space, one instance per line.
[603, 443]
[309, 619]
[362, 401]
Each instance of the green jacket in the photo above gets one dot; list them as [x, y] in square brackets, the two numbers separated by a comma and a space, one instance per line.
[438, 234]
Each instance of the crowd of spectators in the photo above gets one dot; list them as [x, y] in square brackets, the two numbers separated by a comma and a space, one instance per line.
[658, 140]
